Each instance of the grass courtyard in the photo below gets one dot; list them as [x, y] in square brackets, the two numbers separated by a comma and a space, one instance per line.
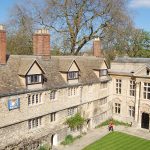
[119, 141]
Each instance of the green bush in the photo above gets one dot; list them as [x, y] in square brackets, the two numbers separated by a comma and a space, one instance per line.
[115, 122]
[68, 140]
[44, 147]
[75, 121]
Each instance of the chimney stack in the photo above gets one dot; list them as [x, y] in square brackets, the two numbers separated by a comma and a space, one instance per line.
[41, 43]
[97, 47]
[2, 45]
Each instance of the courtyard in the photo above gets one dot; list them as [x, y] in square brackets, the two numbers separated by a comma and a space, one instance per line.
[123, 138]
[117, 141]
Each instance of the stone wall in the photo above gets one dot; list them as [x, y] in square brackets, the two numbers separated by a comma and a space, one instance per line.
[14, 123]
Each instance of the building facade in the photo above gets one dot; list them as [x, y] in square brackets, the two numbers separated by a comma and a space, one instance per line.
[130, 94]
[39, 92]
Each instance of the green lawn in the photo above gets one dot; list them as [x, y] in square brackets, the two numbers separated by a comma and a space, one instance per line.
[119, 141]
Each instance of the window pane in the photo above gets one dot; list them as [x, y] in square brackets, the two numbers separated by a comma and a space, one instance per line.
[29, 79]
[32, 99]
[73, 75]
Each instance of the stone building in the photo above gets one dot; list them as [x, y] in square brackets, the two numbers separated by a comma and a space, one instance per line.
[131, 90]
[39, 92]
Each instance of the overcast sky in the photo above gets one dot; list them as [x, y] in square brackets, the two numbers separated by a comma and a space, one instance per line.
[140, 10]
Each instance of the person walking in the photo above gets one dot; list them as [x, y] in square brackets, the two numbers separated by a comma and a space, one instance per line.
[111, 126]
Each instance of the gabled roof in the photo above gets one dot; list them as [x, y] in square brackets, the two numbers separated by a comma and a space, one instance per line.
[74, 61]
[10, 80]
[26, 65]
[66, 63]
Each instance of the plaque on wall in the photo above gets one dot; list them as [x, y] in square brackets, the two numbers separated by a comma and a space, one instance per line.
[14, 104]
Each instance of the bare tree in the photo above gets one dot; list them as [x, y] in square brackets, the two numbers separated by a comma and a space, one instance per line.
[20, 27]
[76, 21]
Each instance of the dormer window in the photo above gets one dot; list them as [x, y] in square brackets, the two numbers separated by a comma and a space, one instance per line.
[34, 79]
[103, 72]
[73, 75]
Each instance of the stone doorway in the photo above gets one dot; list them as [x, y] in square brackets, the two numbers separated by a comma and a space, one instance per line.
[88, 123]
[145, 121]
[54, 140]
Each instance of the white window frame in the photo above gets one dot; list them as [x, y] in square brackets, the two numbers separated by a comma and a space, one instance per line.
[34, 123]
[103, 85]
[117, 108]
[118, 86]
[71, 111]
[131, 111]
[146, 91]
[103, 101]
[72, 91]
[132, 87]
[53, 117]
[53, 95]
[34, 99]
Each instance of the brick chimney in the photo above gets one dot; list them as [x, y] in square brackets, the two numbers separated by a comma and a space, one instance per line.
[2, 45]
[97, 48]
[41, 43]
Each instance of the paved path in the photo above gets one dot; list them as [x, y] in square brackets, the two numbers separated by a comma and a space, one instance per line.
[95, 134]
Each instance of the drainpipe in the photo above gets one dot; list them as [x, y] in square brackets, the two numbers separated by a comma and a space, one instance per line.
[137, 102]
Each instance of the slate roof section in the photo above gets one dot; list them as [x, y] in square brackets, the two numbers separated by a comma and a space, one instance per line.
[126, 59]
[25, 65]
[18, 65]
[128, 65]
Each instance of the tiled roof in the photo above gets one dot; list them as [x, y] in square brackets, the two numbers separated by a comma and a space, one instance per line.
[19, 64]
[131, 60]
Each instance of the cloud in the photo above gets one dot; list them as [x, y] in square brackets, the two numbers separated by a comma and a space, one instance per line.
[139, 3]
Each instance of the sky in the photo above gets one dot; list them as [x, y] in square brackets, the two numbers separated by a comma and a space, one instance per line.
[140, 10]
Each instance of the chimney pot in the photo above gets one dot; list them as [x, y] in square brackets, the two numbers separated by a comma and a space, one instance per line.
[2, 45]
[2, 27]
[41, 43]
[97, 47]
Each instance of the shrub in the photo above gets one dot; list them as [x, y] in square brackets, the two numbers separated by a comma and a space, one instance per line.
[75, 121]
[44, 147]
[68, 140]
[115, 122]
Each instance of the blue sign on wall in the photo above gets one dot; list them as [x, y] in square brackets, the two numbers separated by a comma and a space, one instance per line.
[14, 104]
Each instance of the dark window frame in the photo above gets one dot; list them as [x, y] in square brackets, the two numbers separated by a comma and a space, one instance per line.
[101, 74]
[32, 77]
[72, 78]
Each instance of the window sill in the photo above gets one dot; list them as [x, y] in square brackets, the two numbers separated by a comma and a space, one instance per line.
[73, 96]
[35, 104]
[36, 128]
[53, 100]
[117, 113]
